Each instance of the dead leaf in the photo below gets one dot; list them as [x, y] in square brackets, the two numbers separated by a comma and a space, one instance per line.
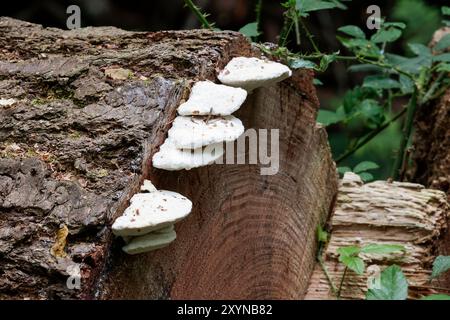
[60, 243]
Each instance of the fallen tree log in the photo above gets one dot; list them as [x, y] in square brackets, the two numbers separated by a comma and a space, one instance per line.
[392, 213]
[431, 151]
[85, 111]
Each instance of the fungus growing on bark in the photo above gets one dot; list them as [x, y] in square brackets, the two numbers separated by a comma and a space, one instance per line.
[252, 73]
[208, 98]
[171, 158]
[151, 211]
[196, 132]
[154, 240]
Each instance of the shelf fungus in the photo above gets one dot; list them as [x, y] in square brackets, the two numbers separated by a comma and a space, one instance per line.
[170, 158]
[147, 224]
[252, 73]
[196, 132]
[208, 98]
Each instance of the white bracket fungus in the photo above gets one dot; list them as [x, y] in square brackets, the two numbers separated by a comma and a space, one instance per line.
[151, 211]
[208, 98]
[171, 158]
[196, 132]
[252, 73]
[154, 240]
[147, 224]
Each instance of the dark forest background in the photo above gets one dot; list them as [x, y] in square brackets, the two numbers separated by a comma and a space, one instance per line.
[422, 19]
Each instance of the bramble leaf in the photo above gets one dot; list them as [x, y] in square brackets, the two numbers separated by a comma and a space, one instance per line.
[250, 30]
[364, 166]
[393, 285]
[440, 265]
[353, 31]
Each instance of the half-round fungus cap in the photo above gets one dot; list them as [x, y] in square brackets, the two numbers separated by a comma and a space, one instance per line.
[208, 98]
[252, 73]
[155, 240]
[171, 158]
[151, 211]
[196, 132]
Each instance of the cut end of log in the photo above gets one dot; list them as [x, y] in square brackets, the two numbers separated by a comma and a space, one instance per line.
[381, 212]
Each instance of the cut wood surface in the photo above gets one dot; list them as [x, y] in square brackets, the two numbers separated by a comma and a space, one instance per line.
[92, 107]
[381, 212]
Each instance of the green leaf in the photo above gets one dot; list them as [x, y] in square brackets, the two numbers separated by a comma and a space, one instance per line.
[349, 251]
[343, 170]
[364, 166]
[372, 113]
[393, 285]
[366, 176]
[250, 30]
[354, 98]
[436, 297]
[381, 248]
[442, 57]
[361, 46]
[419, 49]
[446, 11]
[444, 43]
[325, 61]
[380, 82]
[386, 35]
[440, 265]
[410, 65]
[327, 117]
[322, 235]
[406, 84]
[353, 263]
[400, 25]
[297, 63]
[364, 68]
[317, 82]
[304, 6]
[353, 31]
[444, 67]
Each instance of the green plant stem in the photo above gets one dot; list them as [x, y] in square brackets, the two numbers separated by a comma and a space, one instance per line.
[370, 136]
[287, 27]
[342, 283]
[258, 10]
[310, 37]
[297, 29]
[400, 161]
[200, 16]
[433, 88]
[327, 275]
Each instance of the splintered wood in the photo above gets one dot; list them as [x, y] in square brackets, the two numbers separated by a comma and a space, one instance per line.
[382, 213]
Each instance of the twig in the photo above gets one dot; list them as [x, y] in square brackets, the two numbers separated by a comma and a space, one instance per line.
[200, 16]
[342, 283]
[327, 275]
[370, 136]
[400, 161]
[310, 36]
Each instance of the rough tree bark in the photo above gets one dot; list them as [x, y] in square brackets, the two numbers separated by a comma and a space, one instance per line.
[431, 152]
[93, 105]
